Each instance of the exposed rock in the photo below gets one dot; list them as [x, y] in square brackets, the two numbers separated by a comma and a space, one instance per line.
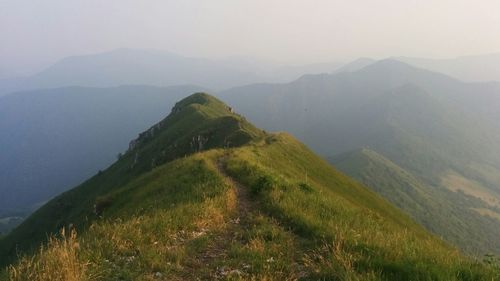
[150, 133]
[136, 159]
[198, 142]
[133, 144]
[176, 109]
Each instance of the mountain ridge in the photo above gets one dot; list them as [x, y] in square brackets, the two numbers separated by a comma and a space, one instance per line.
[427, 123]
[157, 68]
[473, 68]
[50, 135]
[240, 209]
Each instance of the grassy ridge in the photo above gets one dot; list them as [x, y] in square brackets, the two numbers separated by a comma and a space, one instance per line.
[197, 117]
[172, 224]
[367, 239]
[256, 207]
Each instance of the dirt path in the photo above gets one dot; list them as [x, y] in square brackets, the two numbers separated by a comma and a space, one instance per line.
[222, 240]
[217, 260]
[242, 192]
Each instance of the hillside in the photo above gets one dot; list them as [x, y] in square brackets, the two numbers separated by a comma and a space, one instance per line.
[49, 137]
[204, 194]
[442, 131]
[431, 207]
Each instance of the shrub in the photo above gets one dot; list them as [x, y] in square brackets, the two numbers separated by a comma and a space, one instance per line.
[263, 183]
[101, 204]
[305, 187]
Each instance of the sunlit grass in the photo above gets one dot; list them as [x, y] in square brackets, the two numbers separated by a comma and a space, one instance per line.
[188, 219]
[358, 236]
[60, 260]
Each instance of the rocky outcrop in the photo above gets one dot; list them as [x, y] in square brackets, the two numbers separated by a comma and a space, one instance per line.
[144, 136]
[198, 142]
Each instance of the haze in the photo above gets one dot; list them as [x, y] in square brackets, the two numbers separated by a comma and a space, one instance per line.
[35, 34]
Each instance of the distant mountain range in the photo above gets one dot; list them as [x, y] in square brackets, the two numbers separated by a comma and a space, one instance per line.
[160, 68]
[157, 68]
[479, 68]
[132, 67]
[443, 132]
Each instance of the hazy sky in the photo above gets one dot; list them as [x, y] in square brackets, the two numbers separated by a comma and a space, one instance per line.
[36, 33]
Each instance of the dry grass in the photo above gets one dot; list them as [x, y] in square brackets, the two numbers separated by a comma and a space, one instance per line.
[487, 212]
[456, 182]
[58, 261]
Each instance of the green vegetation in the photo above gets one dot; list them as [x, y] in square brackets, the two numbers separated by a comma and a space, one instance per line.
[244, 206]
[432, 207]
[198, 117]
[441, 136]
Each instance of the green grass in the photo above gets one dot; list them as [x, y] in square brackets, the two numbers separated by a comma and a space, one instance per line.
[421, 125]
[358, 235]
[438, 209]
[199, 115]
[260, 207]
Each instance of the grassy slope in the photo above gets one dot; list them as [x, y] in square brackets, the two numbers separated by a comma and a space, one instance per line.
[425, 204]
[247, 212]
[196, 116]
[430, 125]
[366, 237]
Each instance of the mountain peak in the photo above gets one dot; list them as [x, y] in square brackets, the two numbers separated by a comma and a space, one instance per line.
[356, 65]
[390, 64]
[198, 122]
[396, 67]
[200, 98]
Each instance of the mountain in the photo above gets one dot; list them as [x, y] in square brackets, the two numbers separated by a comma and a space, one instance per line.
[433, 208]
[49, 137]
[466, 68]
[288, 73]
[204, 194]
[44, 131]
[316, 101]
[157, 68]
[133, 67]
[442, 131]
[385, 177]
[355, 65]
